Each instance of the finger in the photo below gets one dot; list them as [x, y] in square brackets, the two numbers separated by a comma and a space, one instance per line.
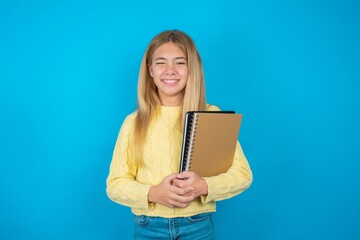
[179, 183]
[181, 191]
[174, 200]
[170, 178]
[187, 175]
[182, 201]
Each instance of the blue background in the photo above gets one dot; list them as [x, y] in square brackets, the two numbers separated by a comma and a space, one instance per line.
[68, 72]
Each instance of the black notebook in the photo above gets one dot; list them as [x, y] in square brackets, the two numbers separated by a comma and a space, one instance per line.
[209, 142]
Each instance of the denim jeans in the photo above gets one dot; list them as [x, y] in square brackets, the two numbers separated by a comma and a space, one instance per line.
[181, 228]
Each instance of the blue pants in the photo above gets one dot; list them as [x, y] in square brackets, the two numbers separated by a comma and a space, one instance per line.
[182, 228]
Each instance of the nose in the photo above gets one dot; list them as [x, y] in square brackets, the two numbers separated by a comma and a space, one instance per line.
[170, 69]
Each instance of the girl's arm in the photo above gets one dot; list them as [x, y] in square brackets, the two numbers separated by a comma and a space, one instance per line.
[122, 186]
[237, 179]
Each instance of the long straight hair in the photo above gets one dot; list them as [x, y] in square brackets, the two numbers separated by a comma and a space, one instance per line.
[148, 97]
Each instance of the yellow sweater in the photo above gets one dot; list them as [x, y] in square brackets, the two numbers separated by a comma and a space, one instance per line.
[128, 184]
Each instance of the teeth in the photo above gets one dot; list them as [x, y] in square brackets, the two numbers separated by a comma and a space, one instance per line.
[169, 81]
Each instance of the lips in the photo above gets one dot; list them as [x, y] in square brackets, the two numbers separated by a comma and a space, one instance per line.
[170, 81]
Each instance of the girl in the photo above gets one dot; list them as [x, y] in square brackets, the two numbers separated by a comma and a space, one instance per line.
[144, 169]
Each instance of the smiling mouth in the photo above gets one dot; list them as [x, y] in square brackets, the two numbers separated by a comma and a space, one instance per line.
[170, 81]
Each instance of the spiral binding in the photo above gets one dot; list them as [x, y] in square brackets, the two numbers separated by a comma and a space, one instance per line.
[191, 141]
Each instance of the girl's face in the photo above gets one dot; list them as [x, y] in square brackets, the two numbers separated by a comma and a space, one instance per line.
[170, 73]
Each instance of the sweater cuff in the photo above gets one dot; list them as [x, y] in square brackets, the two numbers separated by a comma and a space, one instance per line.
[144, 202]
[208, 197]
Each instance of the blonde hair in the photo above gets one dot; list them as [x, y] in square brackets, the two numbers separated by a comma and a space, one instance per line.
[148, 98]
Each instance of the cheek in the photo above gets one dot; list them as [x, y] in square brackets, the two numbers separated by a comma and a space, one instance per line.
[183, 72]
[157, 71]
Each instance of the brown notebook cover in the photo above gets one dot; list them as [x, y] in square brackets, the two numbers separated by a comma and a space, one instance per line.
[209, 142]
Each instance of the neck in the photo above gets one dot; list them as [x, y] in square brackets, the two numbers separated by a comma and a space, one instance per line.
[171, 102]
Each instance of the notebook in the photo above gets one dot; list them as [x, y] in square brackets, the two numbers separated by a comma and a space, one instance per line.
[209, 142]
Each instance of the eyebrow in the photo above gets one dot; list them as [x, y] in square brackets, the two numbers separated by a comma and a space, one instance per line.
[177, 58]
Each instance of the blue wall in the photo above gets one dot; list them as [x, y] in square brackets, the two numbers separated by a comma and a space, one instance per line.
[68, 72]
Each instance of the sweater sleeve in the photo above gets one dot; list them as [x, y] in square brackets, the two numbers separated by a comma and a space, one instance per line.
[122, 186]
[236, 180]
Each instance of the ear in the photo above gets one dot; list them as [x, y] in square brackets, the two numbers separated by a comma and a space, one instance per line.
[150, 71]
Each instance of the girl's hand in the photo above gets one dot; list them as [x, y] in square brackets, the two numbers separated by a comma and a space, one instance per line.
[171, 195]
[187, 180]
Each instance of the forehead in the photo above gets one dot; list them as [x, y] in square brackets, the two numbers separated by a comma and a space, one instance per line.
[168, 50]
